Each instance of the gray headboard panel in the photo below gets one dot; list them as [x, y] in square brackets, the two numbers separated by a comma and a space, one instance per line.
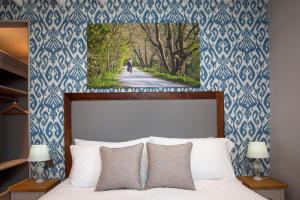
[130, 115]
[122, 120]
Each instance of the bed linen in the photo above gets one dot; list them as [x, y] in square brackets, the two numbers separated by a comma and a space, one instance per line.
[205, 190]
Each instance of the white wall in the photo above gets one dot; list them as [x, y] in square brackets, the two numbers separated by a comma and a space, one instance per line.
[285, 93]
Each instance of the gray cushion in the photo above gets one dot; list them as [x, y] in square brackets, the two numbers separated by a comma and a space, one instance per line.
[169, 166]
[120, 168]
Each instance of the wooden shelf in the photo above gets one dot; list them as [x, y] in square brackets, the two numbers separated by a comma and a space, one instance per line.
[11, 92]
[12, 163]
[13, 65]
[29, 185]
[4, 195]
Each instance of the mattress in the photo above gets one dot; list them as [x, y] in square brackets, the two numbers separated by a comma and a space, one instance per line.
[205, 190]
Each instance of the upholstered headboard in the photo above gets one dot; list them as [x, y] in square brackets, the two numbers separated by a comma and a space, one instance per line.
[90, 116]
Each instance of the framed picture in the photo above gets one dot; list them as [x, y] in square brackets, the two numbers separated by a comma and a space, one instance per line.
[143, 55]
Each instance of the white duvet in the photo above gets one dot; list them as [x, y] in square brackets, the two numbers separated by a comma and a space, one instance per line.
[206, 190]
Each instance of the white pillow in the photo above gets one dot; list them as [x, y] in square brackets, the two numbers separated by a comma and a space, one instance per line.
[86, 164]
[210, 157]
[98, 144]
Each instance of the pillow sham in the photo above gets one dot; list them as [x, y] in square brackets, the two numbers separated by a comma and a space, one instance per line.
[120, 168]
[169, 166]
[98, 144]
[86, 164]
[210, 157]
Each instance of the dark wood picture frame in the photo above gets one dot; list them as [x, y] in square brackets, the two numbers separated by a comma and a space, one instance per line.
[69, 97]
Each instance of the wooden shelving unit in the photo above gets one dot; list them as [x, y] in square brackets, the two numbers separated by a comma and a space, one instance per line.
[12, 163]
[13, 100]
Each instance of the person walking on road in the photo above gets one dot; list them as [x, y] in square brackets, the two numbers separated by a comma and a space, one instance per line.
[129, 65]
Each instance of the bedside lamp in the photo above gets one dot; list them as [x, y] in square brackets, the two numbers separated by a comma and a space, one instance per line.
[257, 150]
[39, 154]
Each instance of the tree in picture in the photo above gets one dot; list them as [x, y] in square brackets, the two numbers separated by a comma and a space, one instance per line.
[143, 55]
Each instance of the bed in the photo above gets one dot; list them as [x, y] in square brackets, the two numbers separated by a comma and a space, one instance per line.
[205, 189]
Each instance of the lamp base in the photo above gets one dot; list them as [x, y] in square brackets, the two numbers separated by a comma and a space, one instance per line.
[40, 180]
[257, 169]
[257, 178]
[39, 170]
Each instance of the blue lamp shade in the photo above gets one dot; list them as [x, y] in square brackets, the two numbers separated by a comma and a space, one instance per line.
[38, 153]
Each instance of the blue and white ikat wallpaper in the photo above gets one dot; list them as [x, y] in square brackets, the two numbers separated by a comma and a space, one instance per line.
[234, 59]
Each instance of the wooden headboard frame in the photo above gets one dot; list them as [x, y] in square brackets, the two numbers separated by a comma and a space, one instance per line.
[69, 97]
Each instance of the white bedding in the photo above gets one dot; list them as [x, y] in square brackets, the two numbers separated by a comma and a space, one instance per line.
[206, 190]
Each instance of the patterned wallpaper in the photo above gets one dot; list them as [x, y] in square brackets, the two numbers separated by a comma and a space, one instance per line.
[234, 58]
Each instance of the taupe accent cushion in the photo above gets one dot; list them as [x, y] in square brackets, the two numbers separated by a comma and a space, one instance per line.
[169, 166]
[120, 168]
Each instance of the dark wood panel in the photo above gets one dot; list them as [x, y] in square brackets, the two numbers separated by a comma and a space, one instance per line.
[141, 96]
[14, 23]
[69, 97]
[220, 114]
[67, 133]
